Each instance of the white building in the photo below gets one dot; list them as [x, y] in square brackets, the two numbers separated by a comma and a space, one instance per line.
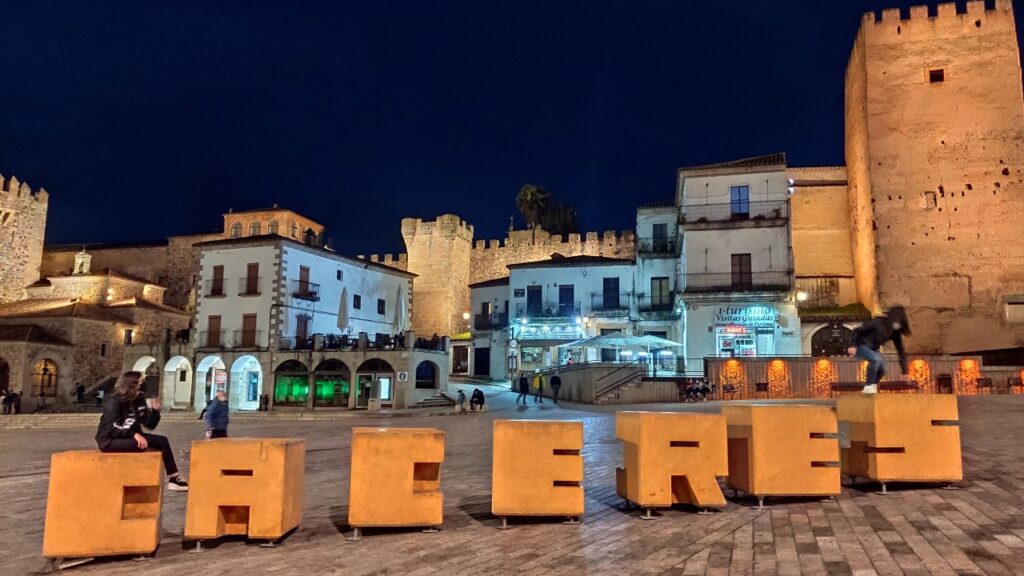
[306, 327]
[737, 257]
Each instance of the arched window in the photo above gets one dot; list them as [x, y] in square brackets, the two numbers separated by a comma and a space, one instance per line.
[426, 375]
[291, 384]
[295, 230]
[236, 230]
[254, 229]
[44, 378]
[272, 227]
[333, 383]
[831, 340]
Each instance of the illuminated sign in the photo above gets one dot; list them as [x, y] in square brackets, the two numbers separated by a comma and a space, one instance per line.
[550, 332]
[749, 316]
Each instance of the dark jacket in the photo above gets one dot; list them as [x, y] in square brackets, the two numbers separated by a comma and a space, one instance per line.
[876, 332]
[217, 415]
[478, 397]
[524, 384]
[556, 381]
[122, 419]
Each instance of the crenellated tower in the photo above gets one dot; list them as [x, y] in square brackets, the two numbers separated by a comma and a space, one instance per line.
[439, 254]
[22, 227]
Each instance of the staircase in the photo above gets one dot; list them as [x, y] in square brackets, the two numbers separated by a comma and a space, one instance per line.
[438, 400]
[622, 388]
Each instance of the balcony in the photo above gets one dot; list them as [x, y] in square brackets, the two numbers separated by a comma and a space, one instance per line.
[705, 282]
[211, 339]
[214, 288]
[490, 321]
[295, 343]
[725, 214]
[304, 290]
[249, 286]
[247, 338]
[609, 304]
[667, 246]
[660, 303]
[548, 310]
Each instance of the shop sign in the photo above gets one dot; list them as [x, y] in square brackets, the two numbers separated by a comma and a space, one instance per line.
[749, 316]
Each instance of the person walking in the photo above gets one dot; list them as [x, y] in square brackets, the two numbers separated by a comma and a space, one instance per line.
[476, 400]
[79, 393]
[867, 341]
[217, 417]
[5, 399]
[556, 385]
[99, 397]
[538, 388]
[125, 412]
[460, 400]
[524, 388]
[15, 402]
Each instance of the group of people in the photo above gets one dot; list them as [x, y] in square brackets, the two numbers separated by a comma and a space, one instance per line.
[537, 384]
[697, 391]
[476, 401]
[11, 401]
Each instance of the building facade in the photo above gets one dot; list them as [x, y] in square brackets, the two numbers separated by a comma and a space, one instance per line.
[22, 225]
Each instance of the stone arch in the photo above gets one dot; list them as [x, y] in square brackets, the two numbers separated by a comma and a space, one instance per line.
[246, 383]
[332, 384]
[291, 384]
[427, 374]
[150, 370]
[5, 375]
[831, 340]
[236, 230]
[45, 378]
[177, 382]
[374, 372]
[375, 365]
[272, 227]
[210, 373]
[254, 228]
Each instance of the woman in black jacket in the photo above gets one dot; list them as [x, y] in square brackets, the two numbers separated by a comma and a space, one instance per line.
[869, 338]
[125, 412]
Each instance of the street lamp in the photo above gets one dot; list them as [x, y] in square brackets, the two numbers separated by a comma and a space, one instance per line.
[801, 296]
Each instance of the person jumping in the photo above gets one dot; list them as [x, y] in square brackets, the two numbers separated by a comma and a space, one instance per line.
[869, 338]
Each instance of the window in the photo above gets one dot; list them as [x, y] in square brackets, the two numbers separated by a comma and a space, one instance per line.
[610, 294]
[661, 296]
[566, 300]
[301, 327]
[248, 336]
[659, 238]
[213, 332]
[739, 201]
[44, 378]
[272, 227]
[357, 302]
[103, 350]
[236, 230]
[251, 285]
[295, 230]
[254, 229]
[929, 200]
[217, 284]
[128, 332]
[182, 375]
[339, 275]
[381, 306]
[936, 75]
[742, 278]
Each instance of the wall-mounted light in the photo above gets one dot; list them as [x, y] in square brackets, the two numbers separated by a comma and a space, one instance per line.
[801, 296]
[465, 315]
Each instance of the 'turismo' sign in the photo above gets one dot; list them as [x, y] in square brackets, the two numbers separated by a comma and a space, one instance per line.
[751, 316]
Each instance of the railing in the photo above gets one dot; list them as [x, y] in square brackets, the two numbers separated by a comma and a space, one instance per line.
[304, 290]
[246, 338]
[663, 245]
[618, 378]
[249, 286]
[490, 321]
[662, 303]
[821, 292]
[214, 288]
[548, 310]
[295, 343]
[729, 282]
[735, 212]
[211, 339]
[609, 304]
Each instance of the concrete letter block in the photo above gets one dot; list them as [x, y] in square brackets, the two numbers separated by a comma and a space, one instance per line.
[783, 450]
[671, 458]
[537, 468]
[245, 486]
[908, 438]
[103, 504]
[396, 477]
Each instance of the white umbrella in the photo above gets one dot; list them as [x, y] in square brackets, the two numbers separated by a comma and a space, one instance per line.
[658, 342]
[343, 311]
[401, 317]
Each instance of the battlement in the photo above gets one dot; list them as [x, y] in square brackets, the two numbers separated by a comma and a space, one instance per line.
[893, 25]
[400, 261]
[21, 190]
[445, 225]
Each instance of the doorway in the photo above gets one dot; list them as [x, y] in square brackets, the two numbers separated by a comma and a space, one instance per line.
[481, 361]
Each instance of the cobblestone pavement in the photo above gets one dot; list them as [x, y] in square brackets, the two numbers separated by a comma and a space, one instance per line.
[978, 529]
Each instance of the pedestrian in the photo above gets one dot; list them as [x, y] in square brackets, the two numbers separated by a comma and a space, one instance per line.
[99, 397]
[6, 401]
[79, 393]
[476, 400]
[556, 385]
[125, 413]
[461, 401]
[705, 390]
[15, 403]
[435, 342]
[524, 388]
[867, 341]
[538, 388]
[202, 414]
[217, 417]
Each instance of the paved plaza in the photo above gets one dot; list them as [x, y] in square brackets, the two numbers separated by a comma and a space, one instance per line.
[978, 529]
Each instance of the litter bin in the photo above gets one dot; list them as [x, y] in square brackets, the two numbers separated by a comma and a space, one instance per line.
[264, 403]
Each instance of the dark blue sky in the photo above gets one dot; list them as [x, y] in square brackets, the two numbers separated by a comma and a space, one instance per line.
[145, 119]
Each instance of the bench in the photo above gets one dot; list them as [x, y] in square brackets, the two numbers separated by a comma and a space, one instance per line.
[845, 387]
[984, 384]
[897, 386]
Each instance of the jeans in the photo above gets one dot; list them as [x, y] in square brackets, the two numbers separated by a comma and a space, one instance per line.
[876, 364]
[554, 392]
[154, 441]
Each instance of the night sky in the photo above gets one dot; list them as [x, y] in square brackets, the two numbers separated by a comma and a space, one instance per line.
[145, 119]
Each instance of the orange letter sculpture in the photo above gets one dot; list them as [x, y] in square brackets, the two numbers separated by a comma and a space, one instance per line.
[671, 459]
[246, 487]
[103, 504]
[396, 478]
[537, 469]
[783, 450]
[901, 437]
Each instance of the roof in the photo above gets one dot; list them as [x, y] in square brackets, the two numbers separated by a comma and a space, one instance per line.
[751, 164]
[109, 272]
[30, 333]
[135, 302]
[503, 281]
[559, 261]
[272, 238]
[58, 308]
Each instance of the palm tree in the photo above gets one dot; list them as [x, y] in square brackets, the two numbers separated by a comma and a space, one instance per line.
[531, 200]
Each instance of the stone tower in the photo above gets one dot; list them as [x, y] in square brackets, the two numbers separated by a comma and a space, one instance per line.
[22, 225]
[934, 136]
[439, 253]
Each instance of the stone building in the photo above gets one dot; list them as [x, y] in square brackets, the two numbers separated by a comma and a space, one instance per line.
[22, 225]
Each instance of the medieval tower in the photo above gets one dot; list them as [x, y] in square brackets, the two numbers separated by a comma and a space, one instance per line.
[439, 253]
[22, 225]
[934, 135]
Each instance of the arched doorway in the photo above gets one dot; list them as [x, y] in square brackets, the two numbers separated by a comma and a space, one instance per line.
[211, 374]
[150, 375]
[374, 379]
[44, 379]
[291, 384]
[246, 383]
[177, 382]
[426, 375]
[5, 375]
[831, 340]
[332, 384]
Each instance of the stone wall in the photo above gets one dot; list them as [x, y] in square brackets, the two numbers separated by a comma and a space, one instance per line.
[22, 227]
[935, 171]
[490, 258]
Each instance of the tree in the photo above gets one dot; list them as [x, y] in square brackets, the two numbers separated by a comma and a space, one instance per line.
[559, 218]
[531, 201]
